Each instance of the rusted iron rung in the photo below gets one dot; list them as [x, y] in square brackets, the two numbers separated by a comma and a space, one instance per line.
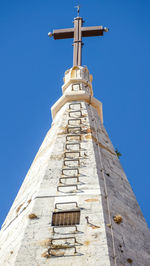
[73, 135]
[72, 160]
[71, 144]
[69, 169]
[74, 120]
[65, 185]
[74, 129]
[64, 203]
[57, 255]
[74, 104]
[64, 238]
[62, 226]
[77, 153]
[68, 177]
[75, 111]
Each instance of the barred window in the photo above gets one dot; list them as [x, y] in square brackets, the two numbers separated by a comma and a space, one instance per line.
[65, 218]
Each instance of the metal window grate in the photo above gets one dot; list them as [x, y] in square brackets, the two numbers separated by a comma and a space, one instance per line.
[66, 218]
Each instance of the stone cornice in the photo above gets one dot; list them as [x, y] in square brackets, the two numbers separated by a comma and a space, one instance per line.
[77, 96]
[77, 81]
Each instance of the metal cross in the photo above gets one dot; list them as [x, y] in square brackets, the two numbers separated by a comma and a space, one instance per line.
[77, 33]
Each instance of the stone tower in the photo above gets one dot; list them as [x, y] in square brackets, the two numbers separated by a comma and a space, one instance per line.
[75, 206]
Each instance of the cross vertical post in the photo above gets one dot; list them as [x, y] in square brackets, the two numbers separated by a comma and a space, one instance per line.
[77, 54]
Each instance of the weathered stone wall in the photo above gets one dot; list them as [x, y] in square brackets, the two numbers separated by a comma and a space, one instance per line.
[36, 235]
[75, 169]
[127, 233]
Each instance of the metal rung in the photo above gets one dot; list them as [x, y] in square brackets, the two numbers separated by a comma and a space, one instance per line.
[62, 226]
[72, 160]
[74, 104]
[64, 238]
[74, 129]
[69, 185]
[70, 177]
[71, 144]
[75, 111]
[64, 203]
[57, 255]
[70, 169]
[74, 120]
[78, 154]
[76, 135]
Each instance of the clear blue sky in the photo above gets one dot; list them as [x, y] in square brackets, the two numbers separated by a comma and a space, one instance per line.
[31, 72]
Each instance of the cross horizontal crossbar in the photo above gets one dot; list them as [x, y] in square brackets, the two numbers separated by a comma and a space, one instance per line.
[63, 34]
[77, 33]
[85, 32]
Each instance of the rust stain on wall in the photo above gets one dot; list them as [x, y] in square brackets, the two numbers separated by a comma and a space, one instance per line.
[57, 253]
[88, 137]
[87, 243]
[57, 157]
[45, 243]
[95, 226]
[91, 200]
[63, 130]
[46, 255]
[18, 209]
[89, 130]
